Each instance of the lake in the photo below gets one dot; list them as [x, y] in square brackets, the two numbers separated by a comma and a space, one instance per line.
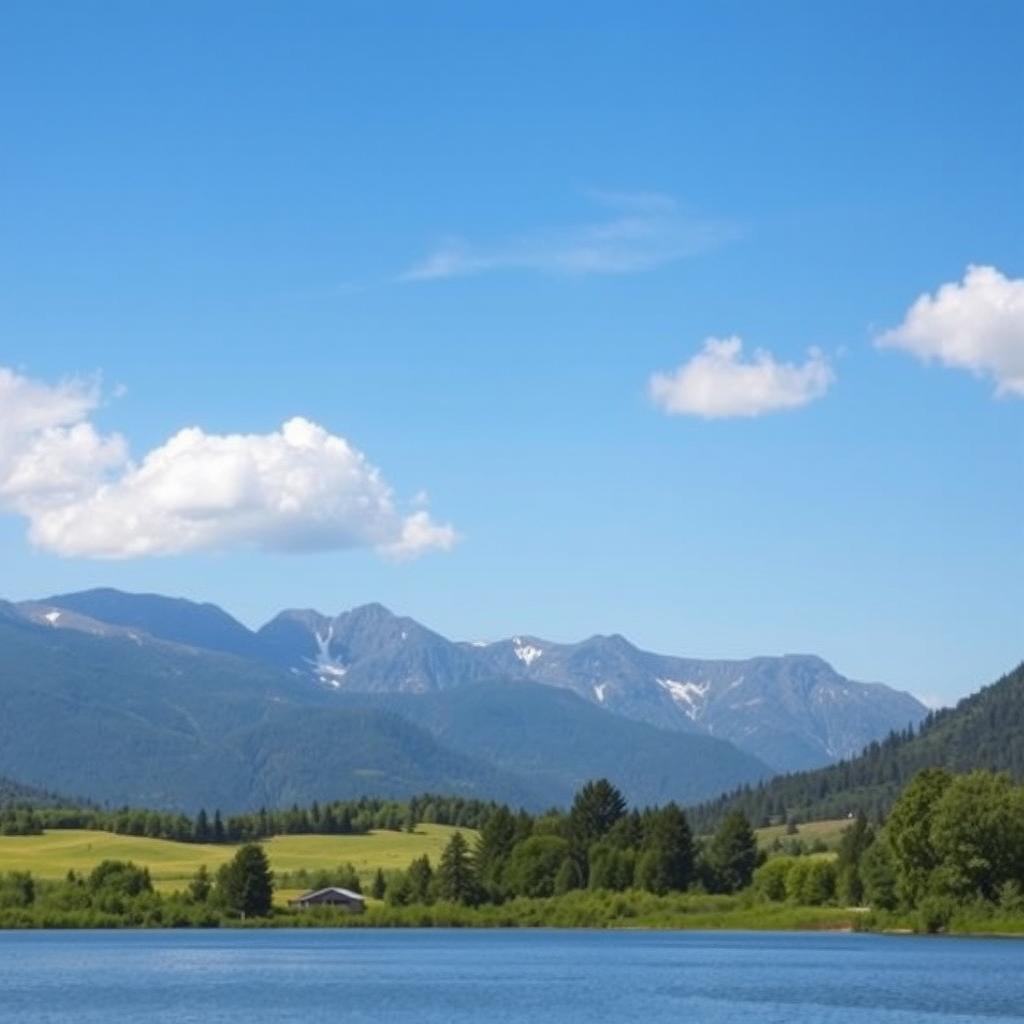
[505, 977]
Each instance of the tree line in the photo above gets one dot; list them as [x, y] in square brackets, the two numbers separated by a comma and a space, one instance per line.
[339, 817]
[949, 854]
[598, 844]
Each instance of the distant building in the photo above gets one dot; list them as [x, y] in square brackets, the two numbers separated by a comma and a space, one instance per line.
[332, 896]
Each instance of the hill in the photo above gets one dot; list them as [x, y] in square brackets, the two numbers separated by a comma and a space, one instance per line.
[157, 725]
[985, 730]
[556, 741]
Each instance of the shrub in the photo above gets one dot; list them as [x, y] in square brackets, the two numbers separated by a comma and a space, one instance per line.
[934, 914]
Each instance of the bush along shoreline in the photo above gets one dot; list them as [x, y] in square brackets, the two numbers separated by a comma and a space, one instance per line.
[950, 858]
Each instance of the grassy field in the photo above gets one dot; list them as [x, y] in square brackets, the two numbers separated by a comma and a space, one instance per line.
[827, 831]
[54, 853]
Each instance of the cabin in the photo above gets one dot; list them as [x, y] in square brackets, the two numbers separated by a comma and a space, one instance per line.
[332, 896]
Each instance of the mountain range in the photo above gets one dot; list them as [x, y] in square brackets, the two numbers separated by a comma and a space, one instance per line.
[984, 731]
[791, 712]
[147, 699]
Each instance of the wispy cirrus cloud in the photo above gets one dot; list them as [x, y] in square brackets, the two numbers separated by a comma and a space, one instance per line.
[976, 324]
[299, 488]
[638, 232]
[718, 383]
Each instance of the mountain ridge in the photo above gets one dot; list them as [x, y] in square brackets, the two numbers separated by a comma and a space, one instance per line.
[790, 712]
[984, 730]
[120, 717]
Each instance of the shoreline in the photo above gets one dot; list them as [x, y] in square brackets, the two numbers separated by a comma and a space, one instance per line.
[239, 927]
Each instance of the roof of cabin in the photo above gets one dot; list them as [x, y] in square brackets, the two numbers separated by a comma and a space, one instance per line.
[347, 893]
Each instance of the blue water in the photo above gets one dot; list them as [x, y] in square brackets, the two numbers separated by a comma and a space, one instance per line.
[501, 977]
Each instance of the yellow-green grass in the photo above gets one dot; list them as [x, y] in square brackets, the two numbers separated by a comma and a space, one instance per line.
[171, 864]
[828, 832]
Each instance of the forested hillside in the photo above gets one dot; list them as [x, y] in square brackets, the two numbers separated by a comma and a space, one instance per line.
[125, 719]
[14, 793]
[985, 730]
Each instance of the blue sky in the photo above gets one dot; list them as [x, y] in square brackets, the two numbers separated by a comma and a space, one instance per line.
[464, 240]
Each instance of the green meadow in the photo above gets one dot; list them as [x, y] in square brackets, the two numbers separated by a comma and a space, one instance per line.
[828, 832]
[172, 864]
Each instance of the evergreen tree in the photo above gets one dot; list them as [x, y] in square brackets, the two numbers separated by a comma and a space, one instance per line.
[628, 832]
[399, 891]
[854, 842]
[245, 885]
[202, 828]
[497, 837]
[329, 821]
[668, 852]
[534, 865]
[380, 885]
[420, 875]
[595, 810]
[732, 854]
[456, 879]
[200, 886]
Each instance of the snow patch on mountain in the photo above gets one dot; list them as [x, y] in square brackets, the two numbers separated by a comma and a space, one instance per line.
[689, 696]
[329, 670]
[599, 689]
[526, 653]
[52, 618]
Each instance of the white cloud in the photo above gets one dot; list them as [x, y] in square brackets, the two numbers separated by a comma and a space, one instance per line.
[297, 489]
[975, 325]
[716, 383]
[48, 449]
[641, 231]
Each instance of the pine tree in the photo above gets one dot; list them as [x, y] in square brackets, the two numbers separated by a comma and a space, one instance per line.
[200, 885]
[595, 810]
[497, 837]
[246, 884]
[456, 879]
[852, 846]
[420, 875]
[380, 885]
[667, 861]
[202, 829]
[732, 855]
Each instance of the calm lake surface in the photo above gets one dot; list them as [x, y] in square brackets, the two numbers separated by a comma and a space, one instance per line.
[166, 977]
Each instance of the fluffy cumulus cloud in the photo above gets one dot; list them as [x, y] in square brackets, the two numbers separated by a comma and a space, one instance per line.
[638, 232]
[49, 452]
[718, 382]
[976, 324]
[296, 489]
